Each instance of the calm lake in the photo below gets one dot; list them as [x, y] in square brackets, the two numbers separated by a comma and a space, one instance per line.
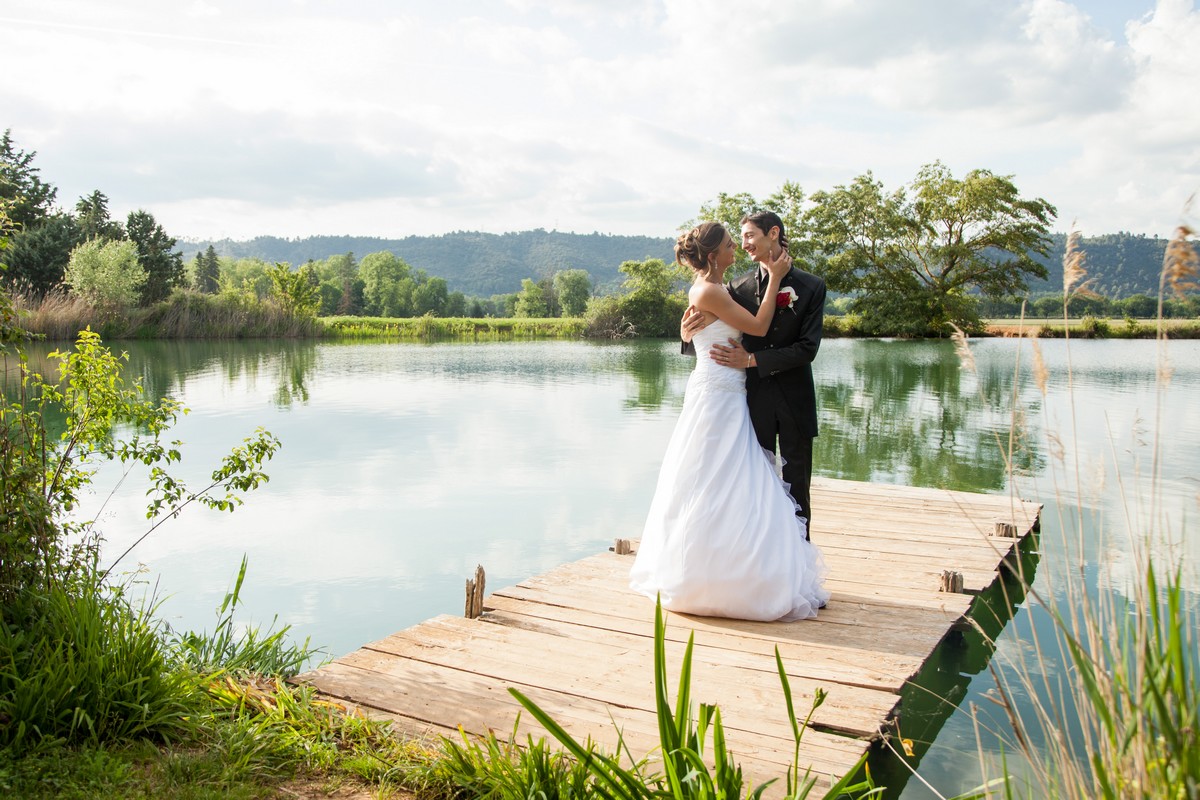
[405, 465]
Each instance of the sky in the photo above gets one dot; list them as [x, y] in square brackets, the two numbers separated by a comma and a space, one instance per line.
[390, 118]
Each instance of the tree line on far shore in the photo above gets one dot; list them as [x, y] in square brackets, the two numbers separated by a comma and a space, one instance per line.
[919, 260]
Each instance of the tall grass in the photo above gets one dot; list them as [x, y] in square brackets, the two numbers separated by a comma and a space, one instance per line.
[186, 314]
[237, 649]
[1122, 719]
[84, 665]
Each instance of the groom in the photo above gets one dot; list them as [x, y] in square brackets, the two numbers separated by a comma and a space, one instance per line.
[779, 380]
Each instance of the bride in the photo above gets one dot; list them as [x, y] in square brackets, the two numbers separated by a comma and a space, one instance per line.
[722, 538]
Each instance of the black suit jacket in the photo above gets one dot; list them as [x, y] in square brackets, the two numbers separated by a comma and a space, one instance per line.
[785, 354]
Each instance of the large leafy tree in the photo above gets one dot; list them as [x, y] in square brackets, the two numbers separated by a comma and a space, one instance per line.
[294, 292]
[652, 303]
[430, 295]
[387, 285]
[918, 259]
[30, 199]
[531, 300]
[157, 255]
[573, 287]
[729, 209]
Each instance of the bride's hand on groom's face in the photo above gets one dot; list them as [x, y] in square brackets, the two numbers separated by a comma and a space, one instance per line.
[781, 264]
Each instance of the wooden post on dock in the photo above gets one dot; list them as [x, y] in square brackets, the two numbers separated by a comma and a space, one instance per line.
[474, 605]
[622, 547]
[951, 582]
[1006, 529]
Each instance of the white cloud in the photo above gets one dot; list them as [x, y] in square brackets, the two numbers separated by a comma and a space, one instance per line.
[290, 118]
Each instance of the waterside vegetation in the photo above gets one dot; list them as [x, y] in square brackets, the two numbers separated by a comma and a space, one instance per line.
[914, 261]
[100, 697]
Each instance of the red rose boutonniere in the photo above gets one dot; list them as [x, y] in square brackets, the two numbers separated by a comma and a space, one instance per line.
[785, 298]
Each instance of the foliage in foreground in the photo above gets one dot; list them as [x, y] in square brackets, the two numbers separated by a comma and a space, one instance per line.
[1124, 721]
[78, 662]
[683, 745]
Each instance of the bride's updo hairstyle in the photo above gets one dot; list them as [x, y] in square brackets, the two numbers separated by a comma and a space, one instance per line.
[693, 248]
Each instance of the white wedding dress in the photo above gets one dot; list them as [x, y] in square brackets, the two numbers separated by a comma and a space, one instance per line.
[722, 538]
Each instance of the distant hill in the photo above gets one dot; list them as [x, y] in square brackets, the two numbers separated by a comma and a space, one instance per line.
[1118, 264]
[477, 264]
[483, 264]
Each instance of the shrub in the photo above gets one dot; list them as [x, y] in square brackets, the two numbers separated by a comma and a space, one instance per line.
[1094, 328]
[81, 664]
[107, 274]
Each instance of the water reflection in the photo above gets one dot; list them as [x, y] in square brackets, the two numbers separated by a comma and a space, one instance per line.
[905, 412]
[405, 465]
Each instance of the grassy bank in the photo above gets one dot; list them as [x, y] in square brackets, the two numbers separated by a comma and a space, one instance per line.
[1094, 328]
[191, 315]
[453, 328]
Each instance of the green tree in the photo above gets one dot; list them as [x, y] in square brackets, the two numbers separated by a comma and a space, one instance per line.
[387, 285]
[1139, 306]
[916, 258]
[331, 298]
[156, 254]
[574, 287]
[106, 273]
[531, 300]
[31, 200]
[729, 209]
[38, 256]
[343, 270]
[208, 271]
[456, 305]
[652, 304]
[293, 291]
[430, 295]
[91, 214]
[9, 329]
[247, 275]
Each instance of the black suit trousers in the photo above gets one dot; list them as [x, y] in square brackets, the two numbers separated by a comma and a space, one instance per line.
[773, 422]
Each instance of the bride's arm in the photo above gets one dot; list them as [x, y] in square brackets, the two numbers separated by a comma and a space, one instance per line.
[713, 298]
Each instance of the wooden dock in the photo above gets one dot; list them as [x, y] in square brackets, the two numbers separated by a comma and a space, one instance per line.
[579, 642]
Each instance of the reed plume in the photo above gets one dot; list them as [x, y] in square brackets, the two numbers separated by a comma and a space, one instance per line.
[1076, 282]
[1041, 375]
[965, 356]
[1181, 265]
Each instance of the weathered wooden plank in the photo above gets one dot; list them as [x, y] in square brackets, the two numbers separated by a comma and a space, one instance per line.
[840, 624]
[453, 698]
[856, 666]
[579, 642]
[607, 669]
[611, 573]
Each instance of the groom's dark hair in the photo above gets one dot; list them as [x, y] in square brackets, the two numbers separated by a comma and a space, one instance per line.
[764, 221]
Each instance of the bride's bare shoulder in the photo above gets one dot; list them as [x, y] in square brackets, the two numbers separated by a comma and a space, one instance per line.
[705, 293]
[701, 297]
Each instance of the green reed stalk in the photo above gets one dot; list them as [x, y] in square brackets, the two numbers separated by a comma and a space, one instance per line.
[682, 742]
